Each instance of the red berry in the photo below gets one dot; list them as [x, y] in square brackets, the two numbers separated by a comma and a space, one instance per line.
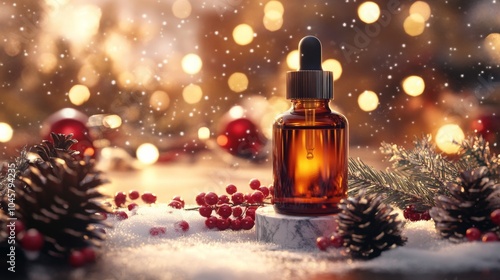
[18, 227]
[223, 224]
[133, 195]
[77, 259]
[225, 211]
[271, 190]
[473, 234]
[265, 191]
[121, 215]
[238, 198]
[254, 184]
[489, 237]
[495, 217]
[132, 206]
[248, 198]
[237, 211]
[89, 254]
[247, 223]
[32, 240]
[148, 197]
[175, 204]
[181, 226]
[425, 215]
[223, 199]
[235, 224]
[211, 222]
[257, 196]
[251, 212]
[155, 231]
[406, 214]
[205, 211]
[200, 199]
[178, 198]
[120, 199]
[211, 198]
[323, 243]
[336, 241]
[415, 216]
[230, 189]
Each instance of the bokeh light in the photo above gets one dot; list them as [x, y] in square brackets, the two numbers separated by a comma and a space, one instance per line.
[368, 12]
[191, 63]
[238, 82]
[181, 9]
[243, 34]
[273, 15]
[203, 133]
[159, 100]
[147, 153]
[413, 85]
[293, 60]
[334, 66]
[449, 137]
[492, 46]
[192, 94]
[414, 25]
[6, 132]
[368, 101]
[421, 8]
[112, 121]
[79, 94]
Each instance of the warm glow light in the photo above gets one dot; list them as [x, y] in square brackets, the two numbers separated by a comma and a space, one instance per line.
[6, 132]
[274, 7]
[112, 121]
[334, 66]
[191, 63]
[421, 8]
[447, 138]
[293, 60]
[159, 100]
[88, 76]
[147, 153]
[236, 112]
[79, 94]
[222, 140]
[203, 133]
[238, 82]
[47, 62]
[492, 46]
[273, 15]
[368, 12]
[413, 85]
[192, 94]
[414, 25]
[243, 34]
[181, 8]
[368, 101]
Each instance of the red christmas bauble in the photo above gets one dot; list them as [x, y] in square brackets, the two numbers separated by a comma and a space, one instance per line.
[68, 121]
[241, 137]
[488, 126]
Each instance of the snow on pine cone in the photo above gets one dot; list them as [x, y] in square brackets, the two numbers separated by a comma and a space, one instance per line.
[469, 204]
[368, 226]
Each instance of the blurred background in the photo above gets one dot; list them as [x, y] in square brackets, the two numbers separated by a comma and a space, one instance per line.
[162, 80]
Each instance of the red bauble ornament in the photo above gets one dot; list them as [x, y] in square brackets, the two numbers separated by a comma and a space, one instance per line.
[488, 126]
[241, 137]
[70, 121]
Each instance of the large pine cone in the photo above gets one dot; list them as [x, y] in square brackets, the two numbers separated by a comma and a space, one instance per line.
[368, 226]
[470, 204]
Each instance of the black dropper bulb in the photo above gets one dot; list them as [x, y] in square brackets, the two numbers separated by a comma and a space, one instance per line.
[310, 53]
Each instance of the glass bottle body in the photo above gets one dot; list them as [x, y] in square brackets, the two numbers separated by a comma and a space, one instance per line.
[310, 154]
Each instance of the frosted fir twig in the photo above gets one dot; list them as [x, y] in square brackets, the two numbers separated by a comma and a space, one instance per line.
[21, 164]
[397, 188]
[475, 151]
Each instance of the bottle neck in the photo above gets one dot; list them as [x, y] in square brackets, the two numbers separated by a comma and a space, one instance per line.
[319, 105]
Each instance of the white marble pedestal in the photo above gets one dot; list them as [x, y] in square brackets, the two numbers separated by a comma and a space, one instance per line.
[292, 232]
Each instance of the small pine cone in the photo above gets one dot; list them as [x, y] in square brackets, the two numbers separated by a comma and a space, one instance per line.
[61, 144]
[368, 226]
[469, 204]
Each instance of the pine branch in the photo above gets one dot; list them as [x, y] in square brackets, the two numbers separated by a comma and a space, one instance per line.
[399, 190]
[21, 164]
[475, 151]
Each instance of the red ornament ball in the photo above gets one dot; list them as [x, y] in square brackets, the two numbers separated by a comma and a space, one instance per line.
[473, 234]
[32, 240]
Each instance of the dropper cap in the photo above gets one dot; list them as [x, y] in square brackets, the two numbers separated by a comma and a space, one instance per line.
[309, 81]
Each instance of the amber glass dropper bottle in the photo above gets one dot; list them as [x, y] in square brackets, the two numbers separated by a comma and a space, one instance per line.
[310, 141]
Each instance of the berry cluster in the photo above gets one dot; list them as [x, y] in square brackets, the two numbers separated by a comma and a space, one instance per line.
[411, 213]
[474, 234]
[32, 242]
[324, 242]
[234, 210]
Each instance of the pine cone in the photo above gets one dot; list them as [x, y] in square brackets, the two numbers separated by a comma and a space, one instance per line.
[368, 226]
[470, 204]
[59, 200]
[61, 144]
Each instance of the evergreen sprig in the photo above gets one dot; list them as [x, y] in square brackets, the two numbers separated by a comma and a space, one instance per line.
[420, 174]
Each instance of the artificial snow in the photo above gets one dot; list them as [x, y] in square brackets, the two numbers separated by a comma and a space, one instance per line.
[202, 253]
